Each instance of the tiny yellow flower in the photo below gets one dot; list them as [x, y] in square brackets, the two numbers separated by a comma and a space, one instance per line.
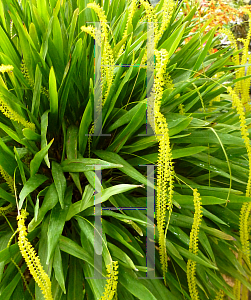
[6, 68]
[90, 30]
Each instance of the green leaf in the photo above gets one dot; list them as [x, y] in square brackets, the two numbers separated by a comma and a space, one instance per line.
[31, 135]
[21, 165]
[186, 253]
[134, 124]
[37, 92]
[71, 152]
[86, 120]
[44, 127]
[205, 48]
[57, 222]
[172, 250]
[173, 41]
[206, 200]
[71, 247]
[116, 252]
[130, 281]
[58, 268]
[207, 137]
[104, 195]
[187, 151]
[86, 164]
[53, 98]
[69, 79]
[8, 291]
[93, 179]
[127, 168]
[7, 47]
[38, 158]
[49, 201]
[31, 184]
[116, 234]
[60, 181]
[72, 29]
[75, 282]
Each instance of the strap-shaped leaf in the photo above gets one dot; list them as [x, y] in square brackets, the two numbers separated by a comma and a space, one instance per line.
[31, 184]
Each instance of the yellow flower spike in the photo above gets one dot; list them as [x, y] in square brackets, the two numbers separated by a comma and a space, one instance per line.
[193, 246]
[246, 207]
[90, 30]
[233, 42]
[132, 10]
[165, 172]
[26, 74]
[151, 17]
[18, 268]
[237, 289]
[244, 132]
[5, 210]
[107, 58]
[111, 282]
[220, 295]
[168, 83]
[243, 86]
[11, 114]
[244, 293]
[181, 109]
[6, 68]
[31, 258]
[31, 83]
[191, 272]
[8, 179]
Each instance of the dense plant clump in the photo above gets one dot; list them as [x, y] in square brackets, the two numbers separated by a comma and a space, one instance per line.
[75, 205]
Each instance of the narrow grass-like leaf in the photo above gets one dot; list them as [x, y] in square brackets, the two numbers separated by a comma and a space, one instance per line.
[127, 168]
[56, 225]
[86, 164]
[58, 268]
[60, 181]
[31, 135]
[75, 289]
[105, 195]
[49, 201]
[172, 42]
[53, 98]
[44, 127]
[129, 280]
[31, 184]
[69, 246]
[38, 158]
[86, 120]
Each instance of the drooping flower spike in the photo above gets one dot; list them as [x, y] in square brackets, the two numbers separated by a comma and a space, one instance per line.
[31, 258]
